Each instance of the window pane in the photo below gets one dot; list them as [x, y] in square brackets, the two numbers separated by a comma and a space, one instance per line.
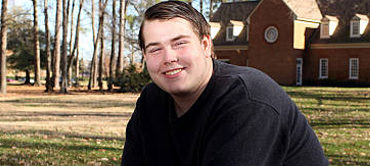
[353, 68]
[325, 29]
[229, 33]
[355, 28]
[323, 68]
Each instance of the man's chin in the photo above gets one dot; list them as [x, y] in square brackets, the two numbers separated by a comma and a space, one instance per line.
[178, 92]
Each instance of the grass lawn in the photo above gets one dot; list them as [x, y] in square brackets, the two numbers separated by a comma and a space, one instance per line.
[341, 120]
[88, 128]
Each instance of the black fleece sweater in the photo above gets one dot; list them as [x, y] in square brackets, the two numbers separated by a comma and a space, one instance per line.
[243, 118]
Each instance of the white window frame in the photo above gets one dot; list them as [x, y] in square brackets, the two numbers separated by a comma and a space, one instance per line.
[351, 75]
[352, 35]
[321, 74]
[228, 37]
[322, 35]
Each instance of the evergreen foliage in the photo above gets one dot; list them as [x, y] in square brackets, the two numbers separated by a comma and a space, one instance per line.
[133, 80]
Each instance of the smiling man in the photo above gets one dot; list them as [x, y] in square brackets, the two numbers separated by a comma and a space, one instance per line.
[202, 112]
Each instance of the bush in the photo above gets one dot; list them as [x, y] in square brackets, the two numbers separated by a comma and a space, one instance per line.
[133, 80]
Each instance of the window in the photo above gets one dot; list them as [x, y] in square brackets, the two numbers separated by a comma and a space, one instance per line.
[355, 28]
[229, 33]
[247, 33]
[353, 68]
[323, 69]
[324, 30]
[224, 60]
[299, 62]
[271, 34]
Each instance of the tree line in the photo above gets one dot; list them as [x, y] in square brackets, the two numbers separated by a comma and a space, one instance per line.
[58, 54]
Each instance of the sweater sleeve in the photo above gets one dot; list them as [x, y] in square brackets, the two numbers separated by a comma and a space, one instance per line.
[247, 135]
[258, 137]
[132, 152]
[304, 147]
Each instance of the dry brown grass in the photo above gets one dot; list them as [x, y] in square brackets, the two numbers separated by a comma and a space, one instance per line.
[90, 114]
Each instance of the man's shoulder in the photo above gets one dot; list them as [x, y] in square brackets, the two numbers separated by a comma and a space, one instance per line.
[151, 94]
[258, 85]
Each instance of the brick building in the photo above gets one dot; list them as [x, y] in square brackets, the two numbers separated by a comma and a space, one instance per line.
[297, 41]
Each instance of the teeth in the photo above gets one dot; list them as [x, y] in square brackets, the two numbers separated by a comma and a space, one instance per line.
[173, 72]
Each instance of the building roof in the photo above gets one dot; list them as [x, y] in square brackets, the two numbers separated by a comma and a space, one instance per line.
[331, 18]
[228, 13]
[306, 9]
[344, 11]
[238, 11]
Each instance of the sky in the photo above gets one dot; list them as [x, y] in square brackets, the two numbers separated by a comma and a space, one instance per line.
[86, 42]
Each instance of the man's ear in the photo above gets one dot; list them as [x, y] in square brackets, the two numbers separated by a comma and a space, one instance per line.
[144, 55]
[207, 45]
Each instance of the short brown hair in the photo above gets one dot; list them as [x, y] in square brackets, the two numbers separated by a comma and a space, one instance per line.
[172, 9]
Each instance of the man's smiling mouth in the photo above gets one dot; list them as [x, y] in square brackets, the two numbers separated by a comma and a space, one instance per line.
[173, 72]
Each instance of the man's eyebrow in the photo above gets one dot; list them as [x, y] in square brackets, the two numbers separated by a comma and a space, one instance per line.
[152, 44]
[172, 40]
[180, 37]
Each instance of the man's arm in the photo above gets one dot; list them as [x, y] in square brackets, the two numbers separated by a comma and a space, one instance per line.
[259, 137]
[132, 152]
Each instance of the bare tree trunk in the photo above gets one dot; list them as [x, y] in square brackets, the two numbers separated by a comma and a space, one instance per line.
[121, 47]
[92, 77]
[102, 57]
[210, 9]
[63, 88]
[28, 78]
[101, 61]
[201, 6]
[96, 46]
[48, 84]
[3, 34]
[77, 71]
[77, 38]
[36, 44]
[93, 19]
[95, 59]
[71, 56]
[113, 52]
[56, 67]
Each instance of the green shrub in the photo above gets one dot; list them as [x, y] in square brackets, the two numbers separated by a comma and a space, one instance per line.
[133, 80]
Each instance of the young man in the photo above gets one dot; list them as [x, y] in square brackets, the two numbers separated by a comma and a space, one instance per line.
[202, 112]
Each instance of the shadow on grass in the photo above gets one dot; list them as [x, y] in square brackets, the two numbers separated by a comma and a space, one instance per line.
[66, 114]
[337, 126]
[341, 123]
[71, 103]
[319, 97]
[42, 152]
[348, 160]
[337, 110]
[62, 134]
[9, 143]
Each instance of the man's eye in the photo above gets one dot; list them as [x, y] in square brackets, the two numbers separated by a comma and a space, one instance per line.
[180, 43]
[154, 50]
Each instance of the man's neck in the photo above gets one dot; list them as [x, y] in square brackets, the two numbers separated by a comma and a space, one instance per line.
[184, 102]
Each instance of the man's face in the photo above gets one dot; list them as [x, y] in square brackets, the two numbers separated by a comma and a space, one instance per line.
[177, 60]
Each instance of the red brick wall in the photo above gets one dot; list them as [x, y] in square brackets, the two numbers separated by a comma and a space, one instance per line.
[235, 57]
[278, 59]
[338, 64]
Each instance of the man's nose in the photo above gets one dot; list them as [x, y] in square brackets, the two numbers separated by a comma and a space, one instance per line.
[170, 55]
